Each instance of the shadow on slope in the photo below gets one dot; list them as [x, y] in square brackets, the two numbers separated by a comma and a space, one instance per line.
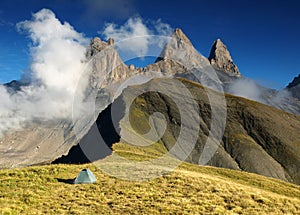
[97, 143]
[66, 181]
[257, 138]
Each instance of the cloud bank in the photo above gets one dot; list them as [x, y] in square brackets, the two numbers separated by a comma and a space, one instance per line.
[246, 88]
[133, 36]
[249, 89]
[57, 61]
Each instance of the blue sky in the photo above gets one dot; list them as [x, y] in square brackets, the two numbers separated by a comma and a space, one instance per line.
[262, 36]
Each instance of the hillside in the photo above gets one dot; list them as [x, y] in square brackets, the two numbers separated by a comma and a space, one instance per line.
[257, 138]
[188, 189]
[294, 87]
[43, 139]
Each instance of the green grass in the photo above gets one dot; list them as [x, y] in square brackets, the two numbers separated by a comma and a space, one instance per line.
[189, 189]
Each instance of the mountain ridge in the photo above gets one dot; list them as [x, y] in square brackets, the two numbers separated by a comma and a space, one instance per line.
[251, 140]
[294, 87]
[220, 59]
[107, 72]
[255, 139]
[295, 82]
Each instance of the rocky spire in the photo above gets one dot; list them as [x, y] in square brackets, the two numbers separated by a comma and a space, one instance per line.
[295, 82]
[220, 59]
[179, 41]
[180, 36]
[97, 45]
[294, 87]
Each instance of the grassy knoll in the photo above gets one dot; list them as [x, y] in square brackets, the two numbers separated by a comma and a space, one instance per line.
[189, 189]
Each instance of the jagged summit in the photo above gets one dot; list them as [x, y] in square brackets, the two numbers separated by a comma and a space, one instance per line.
[178, 44]
[181, 38]
[97, 45]
[220, 59]
[178, 34]
[102, 83]
[295, 82]
[294, 87]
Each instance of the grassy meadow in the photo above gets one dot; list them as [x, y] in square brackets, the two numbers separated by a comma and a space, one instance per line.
[189, 189]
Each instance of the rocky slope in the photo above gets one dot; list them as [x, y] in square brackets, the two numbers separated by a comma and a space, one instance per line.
[257, 138]
[294, 87]
[178, 59]
[43, 142]
[173, 61]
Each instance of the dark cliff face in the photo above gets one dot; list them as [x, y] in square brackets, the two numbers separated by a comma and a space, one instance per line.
[257, 138]
[295, 82]
[294, 87]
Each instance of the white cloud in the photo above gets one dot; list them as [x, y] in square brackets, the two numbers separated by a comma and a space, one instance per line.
[249, 89]
[133, 36]
[246, 88]
[162, 28]
[57, 56]
[57, 62]
[133, 28]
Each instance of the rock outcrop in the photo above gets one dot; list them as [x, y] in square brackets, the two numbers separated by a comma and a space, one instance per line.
[257, 138]
[220, 59]
[295, 82]
[98, 45]
[43, 142]
[294, 87]
[181, 36]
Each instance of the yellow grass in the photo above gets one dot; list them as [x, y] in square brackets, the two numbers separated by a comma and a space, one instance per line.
[189, 189]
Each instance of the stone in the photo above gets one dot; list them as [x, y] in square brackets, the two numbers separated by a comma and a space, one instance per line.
[181, 36]
[221, 59]
[131, 67]
[295, 82]
[98, 45]
[110, 41]
[294, 87]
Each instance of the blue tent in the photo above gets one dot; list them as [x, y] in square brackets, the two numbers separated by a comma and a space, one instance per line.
[85, 177]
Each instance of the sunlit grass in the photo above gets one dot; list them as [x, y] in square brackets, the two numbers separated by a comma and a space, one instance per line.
[189, 189]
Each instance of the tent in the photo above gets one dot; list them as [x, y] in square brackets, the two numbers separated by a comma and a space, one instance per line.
[85, 177]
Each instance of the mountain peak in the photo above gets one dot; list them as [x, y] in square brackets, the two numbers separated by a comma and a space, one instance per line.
[97, 45]
[221, 59]
[178, 41]
[178, 34]
[295, 82]
[294, 87]
[219, 43]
